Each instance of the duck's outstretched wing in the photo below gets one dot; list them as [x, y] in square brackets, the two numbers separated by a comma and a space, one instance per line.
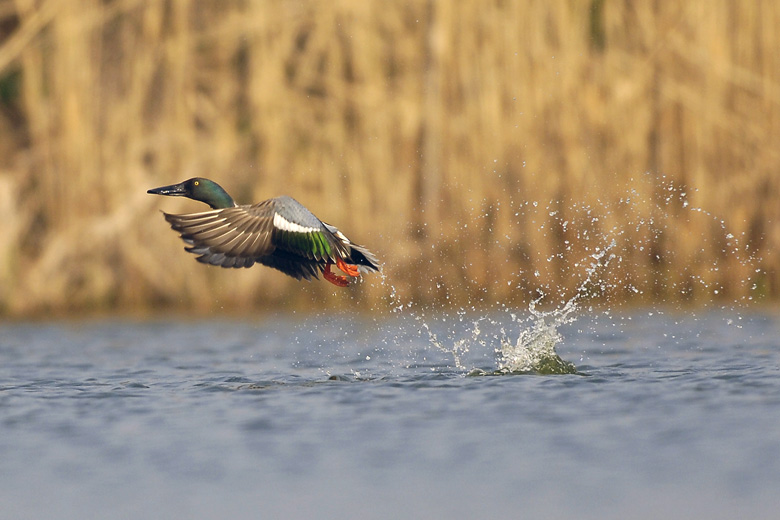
[279, 233]
[230, 237]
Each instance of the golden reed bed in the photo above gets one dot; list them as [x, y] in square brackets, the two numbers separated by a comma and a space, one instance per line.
[482, 148]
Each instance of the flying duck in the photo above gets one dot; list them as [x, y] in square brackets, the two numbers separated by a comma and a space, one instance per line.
[279, 233]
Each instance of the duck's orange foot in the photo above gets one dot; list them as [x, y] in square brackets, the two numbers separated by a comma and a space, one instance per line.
[351, 270]
[341, 281]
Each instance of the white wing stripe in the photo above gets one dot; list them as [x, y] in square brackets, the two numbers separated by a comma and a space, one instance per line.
[285, 225]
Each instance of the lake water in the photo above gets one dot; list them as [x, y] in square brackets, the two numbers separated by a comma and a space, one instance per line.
[671, 415]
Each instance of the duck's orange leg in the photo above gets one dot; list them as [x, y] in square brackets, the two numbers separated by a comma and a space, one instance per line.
[341, 281]
[335, 279]
[351, 270]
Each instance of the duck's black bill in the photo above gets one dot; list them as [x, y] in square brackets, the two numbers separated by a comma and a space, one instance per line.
[174, 190]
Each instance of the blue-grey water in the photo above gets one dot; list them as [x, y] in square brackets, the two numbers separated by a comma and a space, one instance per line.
[672, 415]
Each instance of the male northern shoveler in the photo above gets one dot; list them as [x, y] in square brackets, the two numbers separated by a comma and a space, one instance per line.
[278, 232]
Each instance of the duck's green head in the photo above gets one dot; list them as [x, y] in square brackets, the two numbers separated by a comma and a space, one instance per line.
[198, 188]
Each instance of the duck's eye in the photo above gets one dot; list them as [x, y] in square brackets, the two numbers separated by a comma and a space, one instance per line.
[196, 183]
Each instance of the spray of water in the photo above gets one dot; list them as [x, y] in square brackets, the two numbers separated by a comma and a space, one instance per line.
[527, 341]
[534, 349]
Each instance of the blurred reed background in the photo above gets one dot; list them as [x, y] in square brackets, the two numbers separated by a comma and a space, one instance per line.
[423, 129]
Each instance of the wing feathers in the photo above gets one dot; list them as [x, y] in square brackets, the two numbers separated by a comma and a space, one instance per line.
[279, 233]
[231, 237]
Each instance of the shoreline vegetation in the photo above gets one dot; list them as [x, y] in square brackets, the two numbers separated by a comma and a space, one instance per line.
[485, 151]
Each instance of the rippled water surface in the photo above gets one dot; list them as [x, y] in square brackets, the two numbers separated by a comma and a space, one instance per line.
[670, 416]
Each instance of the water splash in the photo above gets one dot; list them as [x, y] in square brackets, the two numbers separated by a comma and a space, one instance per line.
[635, 233]
[459, 347]
[534, 349]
